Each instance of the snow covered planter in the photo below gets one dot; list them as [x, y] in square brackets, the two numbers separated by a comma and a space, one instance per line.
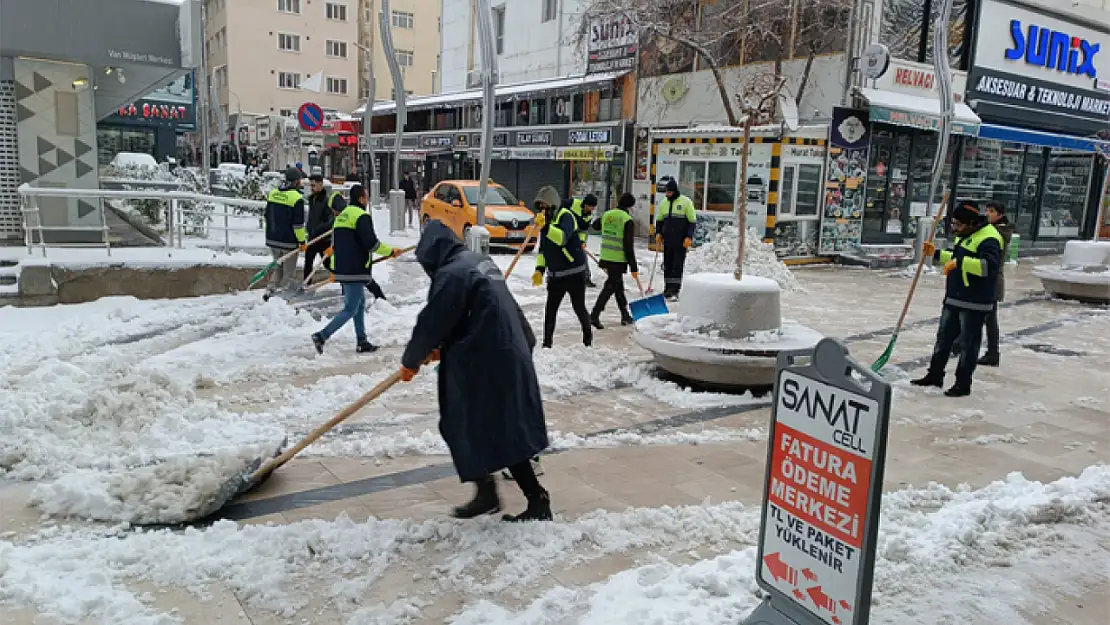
[727, 332]
[1083, 275]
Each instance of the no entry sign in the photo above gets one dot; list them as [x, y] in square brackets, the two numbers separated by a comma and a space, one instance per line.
[310, 116]
[823, 489]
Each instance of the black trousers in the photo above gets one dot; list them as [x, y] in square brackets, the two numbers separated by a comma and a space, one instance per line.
[674, 260]
[316, 249]
[993, 333]
[613, 287]
[375, 289]
[557, 288]
[967, 327]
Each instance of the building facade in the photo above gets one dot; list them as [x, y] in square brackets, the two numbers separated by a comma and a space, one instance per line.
[535, 40]
[59, 78]
[156, 124]
[415, 26]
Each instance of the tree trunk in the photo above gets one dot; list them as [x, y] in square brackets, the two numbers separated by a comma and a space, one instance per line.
[725, 98]
[742, 209]
[805, 78]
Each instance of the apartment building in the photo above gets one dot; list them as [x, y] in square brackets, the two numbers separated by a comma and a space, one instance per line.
[415, 26]
[261, 52]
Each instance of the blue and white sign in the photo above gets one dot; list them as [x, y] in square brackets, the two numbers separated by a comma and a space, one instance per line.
[1052, 49]
[310, 116]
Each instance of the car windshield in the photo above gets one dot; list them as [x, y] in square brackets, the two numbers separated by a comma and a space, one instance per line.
[495, 196]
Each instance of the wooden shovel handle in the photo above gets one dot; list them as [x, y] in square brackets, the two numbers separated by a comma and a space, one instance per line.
[921, 264]
[639, 285]
[527, 239]
[314, 287]
[347, 412]
[298, 249]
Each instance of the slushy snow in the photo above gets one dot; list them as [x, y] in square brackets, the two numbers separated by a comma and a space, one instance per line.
[930, 539]
[719, 256]
[177, 490]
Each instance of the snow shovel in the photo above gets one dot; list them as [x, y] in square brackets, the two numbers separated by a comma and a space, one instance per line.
[651, 277]
[257, 472]
[261, 275]
[331, 278]
[885, 357]
[647, 306]
[527, 239]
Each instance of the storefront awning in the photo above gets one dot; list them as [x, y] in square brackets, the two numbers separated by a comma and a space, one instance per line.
[1046, 139]
[888, 107]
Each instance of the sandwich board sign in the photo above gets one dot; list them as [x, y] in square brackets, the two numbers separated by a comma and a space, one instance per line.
[823, 489]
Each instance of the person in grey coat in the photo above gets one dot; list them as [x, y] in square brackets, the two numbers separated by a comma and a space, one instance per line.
[491, 411]
[996, 215]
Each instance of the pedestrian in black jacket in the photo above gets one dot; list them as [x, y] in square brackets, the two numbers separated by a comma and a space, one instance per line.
[563, 258]
[972, 266]
[409, 187]
[354, 243]
[618, 254]
[490, 407]
[996, 215]
[285, 230]
[323, 206]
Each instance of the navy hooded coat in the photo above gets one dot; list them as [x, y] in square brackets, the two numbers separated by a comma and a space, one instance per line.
[491, 411]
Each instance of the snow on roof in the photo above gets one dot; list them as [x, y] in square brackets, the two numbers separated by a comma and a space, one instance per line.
[501, 91]
[709, 130]
[916, 104]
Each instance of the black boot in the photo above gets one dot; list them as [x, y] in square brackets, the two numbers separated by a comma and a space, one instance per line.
[486, 501]
[366, 347]
[929, 380]
[588, 339]
[989, 360]
[626, 319]
[958, 390]
[539, 509]
[595, 321]
[318, 342]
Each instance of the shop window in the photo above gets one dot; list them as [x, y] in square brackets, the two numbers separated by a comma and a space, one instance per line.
[786, 191]
[108, 144]
[990, 170]
[579, 109]
[1066, 189]
[505, 115]
[562, 108]
[538, 115]
[808, 191]
[1030, 191]
[691, 182]
[720, 194]
[523, 109]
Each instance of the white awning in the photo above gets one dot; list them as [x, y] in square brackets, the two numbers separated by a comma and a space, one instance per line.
[918, 112]
[475, 95]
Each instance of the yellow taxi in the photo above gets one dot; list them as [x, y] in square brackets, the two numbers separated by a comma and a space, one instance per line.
[455, 203]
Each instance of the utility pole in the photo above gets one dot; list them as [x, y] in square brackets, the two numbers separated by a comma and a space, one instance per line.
[479, 236]
[401, 113]
[203, 97]
[368, 116]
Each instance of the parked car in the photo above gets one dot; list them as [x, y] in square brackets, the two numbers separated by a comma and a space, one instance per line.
[455, 203]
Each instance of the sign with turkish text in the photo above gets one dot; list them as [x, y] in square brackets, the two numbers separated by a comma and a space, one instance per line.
[580, 137]
[532, 154]
[172, 105]
[585, 154]
[611, 45]
[436, 142]
[823, 487]
[538, 137]
[1028, 63]
[915, 119]
[918, 79]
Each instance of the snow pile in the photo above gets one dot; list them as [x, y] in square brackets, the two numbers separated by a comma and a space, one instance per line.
[177, 490]
[719, 256]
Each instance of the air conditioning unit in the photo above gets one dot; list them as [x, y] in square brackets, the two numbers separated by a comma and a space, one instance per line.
[474, 79]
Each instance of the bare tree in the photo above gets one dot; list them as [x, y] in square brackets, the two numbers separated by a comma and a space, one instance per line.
[683, 35]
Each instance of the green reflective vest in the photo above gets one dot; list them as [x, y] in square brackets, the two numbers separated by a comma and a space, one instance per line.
[331, 200]
[285, 198]
[583, 231]
[612, 235]
[971, 265]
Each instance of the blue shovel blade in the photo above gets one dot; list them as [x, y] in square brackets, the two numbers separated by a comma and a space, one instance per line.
[648, 306]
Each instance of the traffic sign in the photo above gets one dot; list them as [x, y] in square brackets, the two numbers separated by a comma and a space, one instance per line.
[823, 489]
[311, 116]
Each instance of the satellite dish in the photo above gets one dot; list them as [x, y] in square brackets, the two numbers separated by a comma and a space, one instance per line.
[875, 61]
[789, 110]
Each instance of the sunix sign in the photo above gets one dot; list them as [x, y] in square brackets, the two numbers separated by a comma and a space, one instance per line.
[1053, 49]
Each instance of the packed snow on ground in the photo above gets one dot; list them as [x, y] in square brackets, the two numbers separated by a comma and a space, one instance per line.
[177, 490]
[719, 256]
[944, 555]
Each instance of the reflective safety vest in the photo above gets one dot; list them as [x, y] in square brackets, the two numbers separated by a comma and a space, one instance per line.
[583, 229]
[973, 266]
[289, 197]
[612, 235]
[331, 199]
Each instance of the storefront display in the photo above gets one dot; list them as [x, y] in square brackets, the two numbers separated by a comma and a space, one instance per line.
[800, 182]
[150, 125]
[845, 181]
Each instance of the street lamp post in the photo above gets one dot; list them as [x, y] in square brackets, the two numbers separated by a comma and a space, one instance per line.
[479, 236]
[401, 114]
[368, 115]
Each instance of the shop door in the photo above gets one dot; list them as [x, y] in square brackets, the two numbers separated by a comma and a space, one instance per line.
[1027, 213]
[885, 212]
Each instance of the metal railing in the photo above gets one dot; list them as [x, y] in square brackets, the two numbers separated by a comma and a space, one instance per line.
[181, 209]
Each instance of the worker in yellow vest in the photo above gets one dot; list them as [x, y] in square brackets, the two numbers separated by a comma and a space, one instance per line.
[583, 209]
[618, 254]
[285, 233]
[675, 221]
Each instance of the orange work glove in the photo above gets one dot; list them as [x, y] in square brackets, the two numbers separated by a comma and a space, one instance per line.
[396, 252]
[928, 248]
[659, 239]
[434, 356]
[328, 252]
[687, 242]
[950, 266]
[408, 374]
[635, 275]
[303, 247]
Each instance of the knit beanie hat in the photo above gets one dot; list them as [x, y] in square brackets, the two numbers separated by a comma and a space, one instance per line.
[627, 201]
[967, 212]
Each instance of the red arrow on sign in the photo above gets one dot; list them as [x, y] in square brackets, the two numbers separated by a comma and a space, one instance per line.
[810, 575]
[835, 620]
[779, 569]
[799, 594]
[847, 606]
[821, 600]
